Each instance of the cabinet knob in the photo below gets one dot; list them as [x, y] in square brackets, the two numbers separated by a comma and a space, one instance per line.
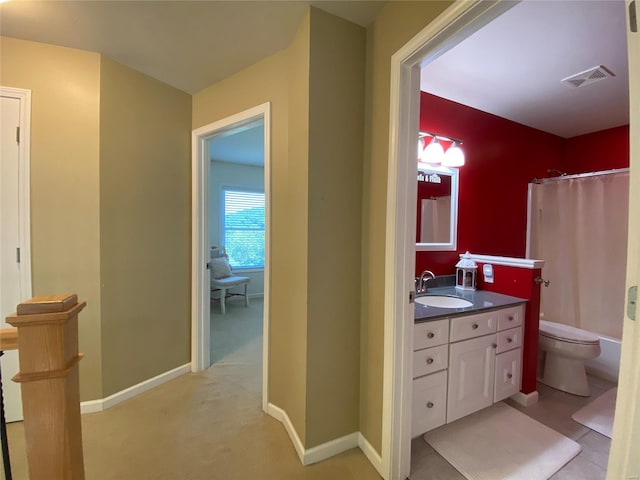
[474, 326]
[431, 335]
[511, 318]
[509, 339]
[494, 345]
[509, 375]
[429, 360]
[430, 405]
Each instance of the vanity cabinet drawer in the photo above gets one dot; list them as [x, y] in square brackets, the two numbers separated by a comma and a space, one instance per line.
[473, 326]
[429, 403]
[510, 317]
[430, 334]
[430, 360]
[509, 339]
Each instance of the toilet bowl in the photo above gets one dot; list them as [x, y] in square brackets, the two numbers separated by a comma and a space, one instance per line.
[562, 352]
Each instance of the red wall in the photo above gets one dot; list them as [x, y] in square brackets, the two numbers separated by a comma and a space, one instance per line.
[501, 158]
[603, 150]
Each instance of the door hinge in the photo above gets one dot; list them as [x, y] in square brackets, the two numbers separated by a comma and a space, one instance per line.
[18, 134]
[18, 255]
[633, 19]
[632, 302]
[412, 296]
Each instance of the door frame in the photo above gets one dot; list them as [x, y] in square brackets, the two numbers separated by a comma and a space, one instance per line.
[200, 220]
[24, 198]
[623, 458]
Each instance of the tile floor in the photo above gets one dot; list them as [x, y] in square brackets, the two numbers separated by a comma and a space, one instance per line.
[554, 409]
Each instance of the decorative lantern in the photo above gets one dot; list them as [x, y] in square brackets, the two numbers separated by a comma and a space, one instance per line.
[466, 273]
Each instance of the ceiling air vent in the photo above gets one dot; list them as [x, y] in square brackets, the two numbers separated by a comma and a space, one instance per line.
[591, 75]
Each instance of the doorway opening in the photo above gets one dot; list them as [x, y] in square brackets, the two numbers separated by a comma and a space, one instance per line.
[450, 29]
[210, 142]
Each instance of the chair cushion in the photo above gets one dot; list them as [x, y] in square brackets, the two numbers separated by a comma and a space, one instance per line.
[220, 267]
[229, 281]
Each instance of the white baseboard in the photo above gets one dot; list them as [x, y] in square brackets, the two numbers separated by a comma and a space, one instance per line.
[331, 448]
[326, 450]
[281, 416]
[371, 453]
[93, 406]
[525, 399]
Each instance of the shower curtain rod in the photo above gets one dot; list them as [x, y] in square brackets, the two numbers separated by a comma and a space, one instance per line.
[580, 175]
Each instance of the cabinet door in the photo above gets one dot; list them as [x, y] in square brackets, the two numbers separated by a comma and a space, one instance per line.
[508, 374]
[429, 403]
[471, 372]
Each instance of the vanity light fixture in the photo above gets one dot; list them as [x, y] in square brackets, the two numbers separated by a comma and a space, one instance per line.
[434, 154]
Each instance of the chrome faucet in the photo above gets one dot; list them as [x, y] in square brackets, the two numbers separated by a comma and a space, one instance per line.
[421, 281]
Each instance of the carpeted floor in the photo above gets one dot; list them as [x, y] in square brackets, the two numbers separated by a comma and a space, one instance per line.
[201, 426]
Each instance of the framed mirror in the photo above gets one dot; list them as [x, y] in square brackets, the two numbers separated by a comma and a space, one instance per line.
[437, 212]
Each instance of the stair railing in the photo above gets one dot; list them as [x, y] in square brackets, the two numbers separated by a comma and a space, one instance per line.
[47, 340]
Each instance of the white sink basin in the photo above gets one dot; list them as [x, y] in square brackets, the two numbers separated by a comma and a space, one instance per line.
[443, 301]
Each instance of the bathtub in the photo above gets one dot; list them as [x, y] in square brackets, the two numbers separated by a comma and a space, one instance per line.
[607, 365]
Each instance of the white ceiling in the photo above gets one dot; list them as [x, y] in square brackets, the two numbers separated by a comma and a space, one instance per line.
[513, 67]
[187, 44]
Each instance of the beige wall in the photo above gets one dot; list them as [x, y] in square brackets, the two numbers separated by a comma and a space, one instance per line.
[110, 206]
[268, 81]
[316, 91]
[336, 112]
[65, 228]
[395, 25]
[145, 213]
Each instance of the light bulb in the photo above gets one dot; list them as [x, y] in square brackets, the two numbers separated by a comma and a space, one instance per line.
[454, 156]
[434, 153]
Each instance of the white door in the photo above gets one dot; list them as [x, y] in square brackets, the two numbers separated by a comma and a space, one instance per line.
[471, 371]
[15, 275]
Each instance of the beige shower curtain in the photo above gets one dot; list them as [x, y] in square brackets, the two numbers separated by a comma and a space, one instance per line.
[579, 228]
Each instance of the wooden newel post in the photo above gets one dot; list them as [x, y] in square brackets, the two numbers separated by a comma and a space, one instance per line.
[48, 353]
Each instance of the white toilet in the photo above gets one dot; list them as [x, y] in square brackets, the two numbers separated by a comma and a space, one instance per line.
[562, 352]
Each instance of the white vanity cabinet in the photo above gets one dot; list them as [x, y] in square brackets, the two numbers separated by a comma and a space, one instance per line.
[484, 365]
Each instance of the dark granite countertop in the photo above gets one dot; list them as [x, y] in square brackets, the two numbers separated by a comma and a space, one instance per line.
[482, 301]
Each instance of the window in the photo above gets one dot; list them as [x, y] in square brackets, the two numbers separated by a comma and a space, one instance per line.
[243, 227]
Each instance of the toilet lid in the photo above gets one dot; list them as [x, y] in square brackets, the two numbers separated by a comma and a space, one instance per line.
[566, 333]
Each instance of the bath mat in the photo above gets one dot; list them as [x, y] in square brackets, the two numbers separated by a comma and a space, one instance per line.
[500, 443]
[598, 414]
